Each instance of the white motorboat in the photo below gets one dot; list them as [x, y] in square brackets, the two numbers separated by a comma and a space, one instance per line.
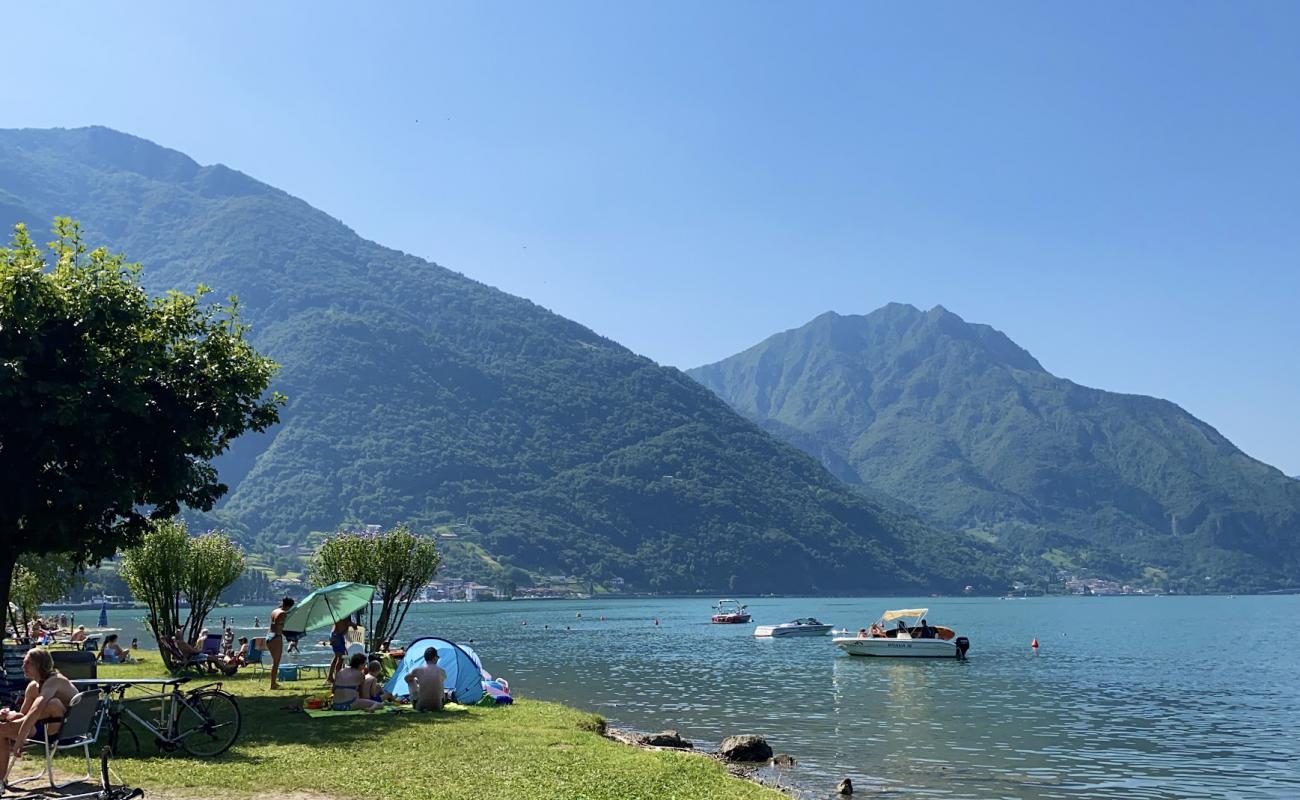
[904, 633]
[804, 626]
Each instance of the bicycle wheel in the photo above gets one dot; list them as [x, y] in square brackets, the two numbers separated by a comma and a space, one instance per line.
[123, 741]
[209, 722]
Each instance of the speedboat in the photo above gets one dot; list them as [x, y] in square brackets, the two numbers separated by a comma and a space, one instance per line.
[729, 612]
[901, 634]
[805, 626]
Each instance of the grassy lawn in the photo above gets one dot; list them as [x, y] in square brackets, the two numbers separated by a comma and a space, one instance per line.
[527, 750]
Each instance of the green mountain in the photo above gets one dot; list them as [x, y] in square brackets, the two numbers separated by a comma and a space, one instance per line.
[418, 394]
[966, 426]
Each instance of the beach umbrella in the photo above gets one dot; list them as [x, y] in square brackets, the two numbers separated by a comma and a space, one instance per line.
[103, 614]
[327, 605]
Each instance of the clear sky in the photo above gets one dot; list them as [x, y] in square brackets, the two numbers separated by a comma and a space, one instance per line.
[1114, 185]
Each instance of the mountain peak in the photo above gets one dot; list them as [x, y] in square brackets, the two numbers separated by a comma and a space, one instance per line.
[897, 324]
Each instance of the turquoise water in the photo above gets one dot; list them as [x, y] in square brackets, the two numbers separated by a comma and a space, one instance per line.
[1141, 697]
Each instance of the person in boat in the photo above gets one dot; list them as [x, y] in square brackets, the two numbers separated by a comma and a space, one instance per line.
[862, 632]
[926, 631]
[877, 632]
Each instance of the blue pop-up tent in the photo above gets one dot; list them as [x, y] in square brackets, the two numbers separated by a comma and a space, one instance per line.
[460, 662]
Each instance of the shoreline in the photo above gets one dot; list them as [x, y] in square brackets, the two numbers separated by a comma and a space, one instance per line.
[750, 772]
[530, 750]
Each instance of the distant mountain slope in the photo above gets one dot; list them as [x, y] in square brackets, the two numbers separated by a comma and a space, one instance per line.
[962, 423]
[418, 394]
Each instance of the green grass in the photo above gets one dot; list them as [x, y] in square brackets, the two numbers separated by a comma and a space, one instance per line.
[527, 750]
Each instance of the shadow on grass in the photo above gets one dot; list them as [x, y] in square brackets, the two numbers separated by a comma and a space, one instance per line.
[268, 721]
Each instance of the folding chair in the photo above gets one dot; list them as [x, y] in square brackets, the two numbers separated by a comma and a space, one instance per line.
[256, 649]
[80, 728]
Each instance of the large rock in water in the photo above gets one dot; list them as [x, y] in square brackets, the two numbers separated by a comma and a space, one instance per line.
[665, 739]
[745, 748]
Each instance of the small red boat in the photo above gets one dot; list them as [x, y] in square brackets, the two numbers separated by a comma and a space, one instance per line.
[729, 613]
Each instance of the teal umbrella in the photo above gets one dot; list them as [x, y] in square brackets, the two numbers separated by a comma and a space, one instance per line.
[327, 605]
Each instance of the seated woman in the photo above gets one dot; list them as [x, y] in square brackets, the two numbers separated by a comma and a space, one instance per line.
[112, 652]
[45, 702]
[347, 687]
[876, 630]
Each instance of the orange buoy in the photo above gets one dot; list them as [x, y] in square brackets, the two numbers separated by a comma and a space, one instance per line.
[1035, 644]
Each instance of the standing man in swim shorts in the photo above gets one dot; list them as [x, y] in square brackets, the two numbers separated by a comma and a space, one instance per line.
[339, 644]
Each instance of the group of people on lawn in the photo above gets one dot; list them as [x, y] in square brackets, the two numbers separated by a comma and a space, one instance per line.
[358, 681]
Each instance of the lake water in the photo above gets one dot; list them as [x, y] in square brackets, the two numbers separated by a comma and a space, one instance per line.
[1127, 697]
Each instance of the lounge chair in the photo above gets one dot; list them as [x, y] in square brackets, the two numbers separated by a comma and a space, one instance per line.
[199, 662]
[80, 728]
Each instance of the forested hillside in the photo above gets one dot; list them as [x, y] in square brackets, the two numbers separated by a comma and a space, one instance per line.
[417, 394]
[965, 425]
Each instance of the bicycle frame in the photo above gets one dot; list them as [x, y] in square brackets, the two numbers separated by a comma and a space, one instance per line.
[171, 703]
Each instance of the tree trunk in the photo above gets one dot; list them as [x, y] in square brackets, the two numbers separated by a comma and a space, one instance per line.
[8, 560]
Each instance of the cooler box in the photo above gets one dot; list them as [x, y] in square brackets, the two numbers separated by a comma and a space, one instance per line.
[288, 672]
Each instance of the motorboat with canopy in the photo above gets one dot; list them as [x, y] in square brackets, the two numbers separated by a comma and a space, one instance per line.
[905, 633]
[729, 612]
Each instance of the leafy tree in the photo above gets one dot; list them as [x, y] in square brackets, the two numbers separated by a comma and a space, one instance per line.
[40, 579]
[113, 403]
[169, 566]
[215, 563]
[397, 562]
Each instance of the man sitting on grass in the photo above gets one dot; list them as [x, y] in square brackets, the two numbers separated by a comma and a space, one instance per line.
[427, 683]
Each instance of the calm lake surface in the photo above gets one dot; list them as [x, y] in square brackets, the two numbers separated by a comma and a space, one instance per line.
[1127, 697]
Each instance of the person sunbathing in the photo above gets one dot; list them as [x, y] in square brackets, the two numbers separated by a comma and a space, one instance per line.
[238, 658]
[193, 655]
[347, 687]
[45, 701]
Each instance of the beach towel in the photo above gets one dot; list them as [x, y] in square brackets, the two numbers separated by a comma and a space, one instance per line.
[317, 713]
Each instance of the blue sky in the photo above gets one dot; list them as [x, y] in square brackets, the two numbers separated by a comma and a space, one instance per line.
[1114, 185]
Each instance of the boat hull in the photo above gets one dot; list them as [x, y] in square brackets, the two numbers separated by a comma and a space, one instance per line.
[730, 619]
[781, 632]
[898, 648]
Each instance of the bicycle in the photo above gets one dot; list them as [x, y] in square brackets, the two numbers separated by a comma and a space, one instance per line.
[203, 722]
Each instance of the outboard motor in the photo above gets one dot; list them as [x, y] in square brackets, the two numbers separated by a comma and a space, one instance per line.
[963, 644]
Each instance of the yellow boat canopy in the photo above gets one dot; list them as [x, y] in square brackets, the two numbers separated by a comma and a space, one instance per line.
[905, 613]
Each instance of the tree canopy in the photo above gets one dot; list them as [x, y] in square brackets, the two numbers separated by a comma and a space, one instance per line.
[398, 563]
[113, 403]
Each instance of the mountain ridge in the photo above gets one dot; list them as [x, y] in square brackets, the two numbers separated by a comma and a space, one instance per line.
[960, 422]
[419, 394]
